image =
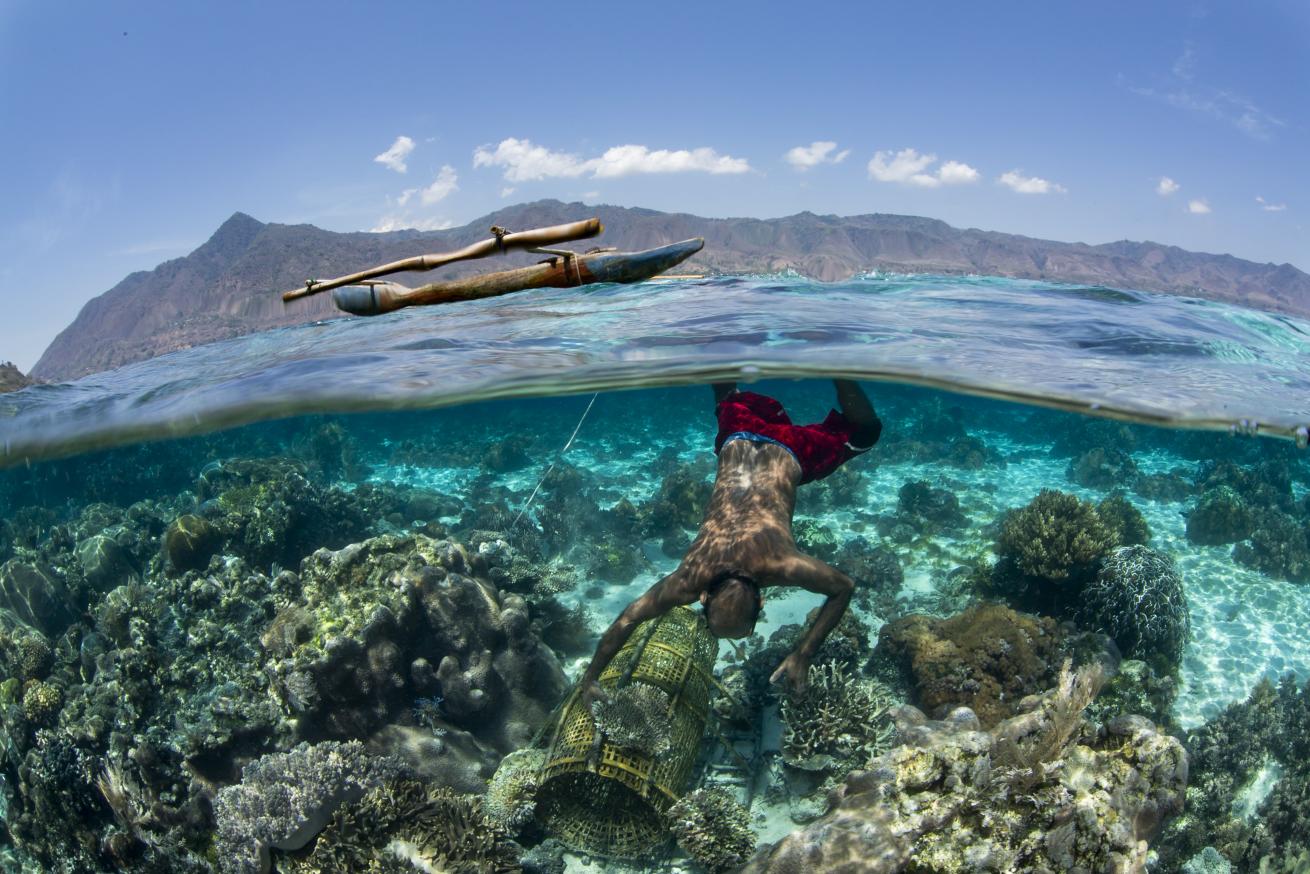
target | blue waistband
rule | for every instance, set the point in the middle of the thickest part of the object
(757, 438)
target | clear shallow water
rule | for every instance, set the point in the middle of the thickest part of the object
(1152, 358)
(173, 661)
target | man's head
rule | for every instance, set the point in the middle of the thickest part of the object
(732, 604)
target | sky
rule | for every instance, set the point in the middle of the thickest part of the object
(129, 131)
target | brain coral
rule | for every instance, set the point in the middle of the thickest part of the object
(1137, 598)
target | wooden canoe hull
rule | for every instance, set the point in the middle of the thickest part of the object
(558, 272)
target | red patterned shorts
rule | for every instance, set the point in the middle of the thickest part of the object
(819, 449)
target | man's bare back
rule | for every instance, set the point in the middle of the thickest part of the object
(745, 545)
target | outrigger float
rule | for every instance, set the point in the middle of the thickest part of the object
(364, 294)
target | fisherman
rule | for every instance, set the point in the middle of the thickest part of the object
(745, 542)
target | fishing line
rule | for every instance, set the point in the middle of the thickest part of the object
(558, 456)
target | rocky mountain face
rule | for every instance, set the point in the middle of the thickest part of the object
(231, 285)
(11, 378)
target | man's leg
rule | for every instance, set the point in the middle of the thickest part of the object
(859, 412)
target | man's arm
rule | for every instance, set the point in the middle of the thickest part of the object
(857, 409)
(816, 576)
(658, 600)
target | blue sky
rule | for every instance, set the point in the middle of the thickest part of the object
(132, 130)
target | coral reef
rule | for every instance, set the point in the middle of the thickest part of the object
(1137, 598)
(636, 719)
(987, 658)
(951, 799)
(840, 723)
(405, 826)
(713, 829)
(1251, 770)
(394, 618)
(285, 799)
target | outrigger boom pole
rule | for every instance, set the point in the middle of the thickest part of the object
(502, 241)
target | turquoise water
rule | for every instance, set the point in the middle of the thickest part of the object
(410, 531)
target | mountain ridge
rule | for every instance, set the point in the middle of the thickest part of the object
(229, 285)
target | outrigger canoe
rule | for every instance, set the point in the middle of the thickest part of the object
(362, 294)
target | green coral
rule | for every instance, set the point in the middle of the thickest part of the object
(1056, 537)
(511, 800)
(1123, 518)
(636, 719)
(840, 723)
(713, 829)
(41, 702)
(404, 826)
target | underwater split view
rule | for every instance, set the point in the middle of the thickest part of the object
(503, 502)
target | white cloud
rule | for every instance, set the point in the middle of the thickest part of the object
(1270, 207)
(1016, 181)
(524, 161)
(507, 191)
(911, 168)
(1166, 186)
(625, 160)
(1198, 207)
(401, 223)
(956, 173)
(441, 187)
(394, 157)
(405, 196)
(816, 153)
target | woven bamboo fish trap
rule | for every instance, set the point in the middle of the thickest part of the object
(608, 802)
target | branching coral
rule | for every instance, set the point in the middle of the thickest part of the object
(713, 828)
(636, 719)
(840, 723)
(285, 799)
(1124, 519)
(404, 826)
(1137, 598)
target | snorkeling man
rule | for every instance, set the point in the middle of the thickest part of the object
(745, 542)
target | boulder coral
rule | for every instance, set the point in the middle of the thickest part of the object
(987, 658)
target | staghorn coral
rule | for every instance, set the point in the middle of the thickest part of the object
(285, 799)
(939, 805)
(511, 800)
(986, 658)
(636, 719)
(404, 826)
(1137, 598)
(712, 828)
(840, 723)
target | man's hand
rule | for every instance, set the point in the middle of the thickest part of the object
(591, 693)
(795, 669)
